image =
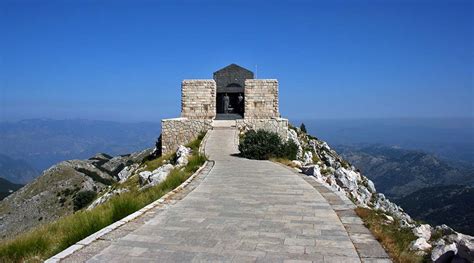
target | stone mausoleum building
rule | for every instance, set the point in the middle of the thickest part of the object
(233, 97)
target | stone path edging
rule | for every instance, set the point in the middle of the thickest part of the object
(95, 236)
(368, 248)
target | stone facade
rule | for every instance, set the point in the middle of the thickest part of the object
(261, 99)
(198, 99)
(278, 125)
(181, 131)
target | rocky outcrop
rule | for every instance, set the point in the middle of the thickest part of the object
(51, 195)
(152, 178)
(332, 170)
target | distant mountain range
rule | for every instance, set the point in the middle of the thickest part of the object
(429, 189)
(17, 171)
(447, 204)
(398, 172)
(43, 142)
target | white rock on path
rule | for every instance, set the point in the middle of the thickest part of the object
(156, 176)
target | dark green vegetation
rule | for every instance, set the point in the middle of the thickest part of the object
(263, 145)
(83, 198)
(51, 238)
(303, 128)
(449, 204)
(394, 239)
(7, 187)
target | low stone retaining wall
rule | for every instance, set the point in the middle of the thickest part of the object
(181, 131)
(278, 125)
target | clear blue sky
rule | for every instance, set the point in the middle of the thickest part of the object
(124, 60)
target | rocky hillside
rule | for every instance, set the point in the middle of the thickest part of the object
(399, 172)
(316, 158)
(62, 189)
(438, 204)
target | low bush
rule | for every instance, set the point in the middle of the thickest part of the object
(83, 198)
(263, 145)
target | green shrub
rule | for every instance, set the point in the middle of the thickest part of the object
(303, 128)
(83, 198)
(263, 145)
(289, 150)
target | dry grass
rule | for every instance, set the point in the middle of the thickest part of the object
(394, 239)
(284, 161)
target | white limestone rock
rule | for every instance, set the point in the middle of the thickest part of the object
(297, 163)
(346, 179)
(143, 177)
(158, 175)
(423, 231)
(182, 155)
(420, 244)
(292, 135)
(439, 251)
(371, 186)
(307, 158)
(127, 172)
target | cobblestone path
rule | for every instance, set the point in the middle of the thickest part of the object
(243, 211)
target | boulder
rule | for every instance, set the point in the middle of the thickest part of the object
(126, 172)
(423, 231)
(444, 253)
(307, 158)
(143, 177)
(420, 244)
(156, 176)
(182, 155)
(371, 186)
(297, 164)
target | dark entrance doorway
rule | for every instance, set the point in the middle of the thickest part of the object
(235, 105)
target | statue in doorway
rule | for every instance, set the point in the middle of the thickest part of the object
(241, 103)
(226, 103)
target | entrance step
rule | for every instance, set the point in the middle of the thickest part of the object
(216, 124)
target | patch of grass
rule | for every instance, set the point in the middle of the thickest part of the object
(151, 165)
(194, 145)
(45, 241)
(316, 158)
(284, 161)
(394, 239)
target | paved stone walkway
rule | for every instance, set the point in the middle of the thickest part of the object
(243, 211)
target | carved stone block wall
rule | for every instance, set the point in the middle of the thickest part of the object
(181, 131)
(261, 98)
(198, 99)
(277, 125)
